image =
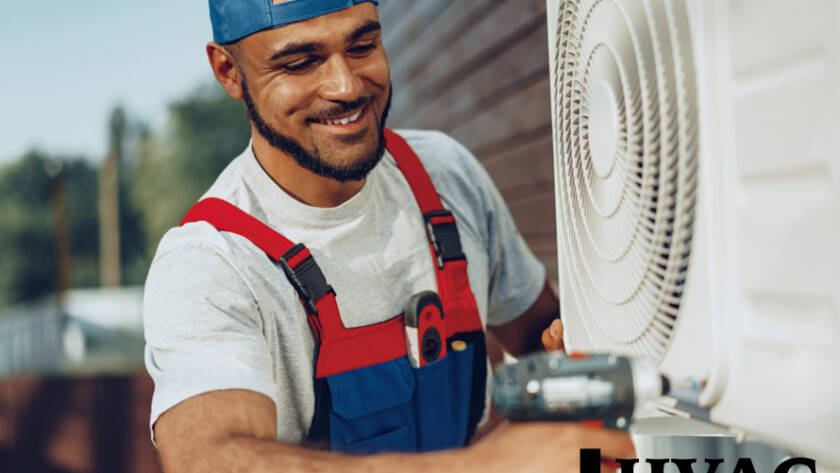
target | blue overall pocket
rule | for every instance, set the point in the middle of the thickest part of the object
(434, 406)
(460, 385)
(444, 395)
(372, 409)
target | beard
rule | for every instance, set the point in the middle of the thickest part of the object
(355, 171)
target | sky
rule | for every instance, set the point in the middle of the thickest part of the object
(66, 64)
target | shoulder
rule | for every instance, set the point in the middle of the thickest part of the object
(197, 250)
(195, 237)
(186, 242)
(189, 255)
(196, 277)
(439, 152)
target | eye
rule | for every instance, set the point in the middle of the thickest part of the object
(362, 49)
(299, 66)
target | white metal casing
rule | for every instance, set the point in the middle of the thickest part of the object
(760, 315)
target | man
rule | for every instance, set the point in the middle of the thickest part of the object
(258, 359)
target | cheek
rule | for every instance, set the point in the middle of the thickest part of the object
(379, 79)
(284, 99)
(376, 70)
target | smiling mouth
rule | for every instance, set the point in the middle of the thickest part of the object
(344, 120)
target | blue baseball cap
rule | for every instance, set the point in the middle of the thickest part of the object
(235, 19)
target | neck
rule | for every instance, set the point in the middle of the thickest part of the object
(299, 182)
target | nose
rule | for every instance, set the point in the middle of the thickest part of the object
(340, 83)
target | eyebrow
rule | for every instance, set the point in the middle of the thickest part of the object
(367, 27)
(297, 48)
(313, 47)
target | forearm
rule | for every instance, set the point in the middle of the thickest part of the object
(233, 431)
(240, 454)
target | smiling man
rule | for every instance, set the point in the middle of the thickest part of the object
(328, 297)
(333, 130)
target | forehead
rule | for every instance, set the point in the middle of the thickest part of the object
(331, 28)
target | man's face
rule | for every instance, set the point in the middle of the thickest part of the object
(319, 90)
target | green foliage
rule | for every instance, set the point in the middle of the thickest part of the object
(133, 252)
(80, 179)
(27, 269)
(176, 166)
(206, 130)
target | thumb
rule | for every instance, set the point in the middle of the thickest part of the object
(552, 337)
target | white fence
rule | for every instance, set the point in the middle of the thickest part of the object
(30, 339)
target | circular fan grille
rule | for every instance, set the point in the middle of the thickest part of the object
(626, 110)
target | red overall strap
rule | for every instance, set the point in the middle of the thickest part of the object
(295, 259)
(341, 349)
(227, 217)
(459, 305)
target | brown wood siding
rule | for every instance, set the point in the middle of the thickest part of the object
(86, 425)
(478, 70)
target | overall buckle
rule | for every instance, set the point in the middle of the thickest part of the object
(443, 235)
(305, 276)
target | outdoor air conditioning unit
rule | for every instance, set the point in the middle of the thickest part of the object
(697, 178)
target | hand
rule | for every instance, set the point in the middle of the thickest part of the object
(552, 337)
(545, 446)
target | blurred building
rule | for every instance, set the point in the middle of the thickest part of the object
(73, 392)
(91, 331)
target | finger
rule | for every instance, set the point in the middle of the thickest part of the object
(549, 342)
(556, 330)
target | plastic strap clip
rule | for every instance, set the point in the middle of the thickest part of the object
(443, 235)
(305, 276)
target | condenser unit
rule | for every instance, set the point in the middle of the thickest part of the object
(697, 178)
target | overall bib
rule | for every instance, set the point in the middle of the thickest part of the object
(368, 396)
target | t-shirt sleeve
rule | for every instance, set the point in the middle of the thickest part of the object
(203, 329)
(516, 276)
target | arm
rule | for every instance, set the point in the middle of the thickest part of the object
(233, 431)
(528, 332)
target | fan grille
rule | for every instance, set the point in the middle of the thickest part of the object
(626, 111)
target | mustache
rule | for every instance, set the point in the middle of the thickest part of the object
(340, 109)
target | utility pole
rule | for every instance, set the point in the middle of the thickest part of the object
(61, 240)
(109, 208)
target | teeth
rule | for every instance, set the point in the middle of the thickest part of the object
(345, 120)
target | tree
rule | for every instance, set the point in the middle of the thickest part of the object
(28, 266)
(203, 133)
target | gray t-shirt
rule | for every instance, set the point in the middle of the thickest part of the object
(219, 314)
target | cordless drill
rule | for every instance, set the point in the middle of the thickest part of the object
(557, 387)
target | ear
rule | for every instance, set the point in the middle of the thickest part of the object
(225, 69)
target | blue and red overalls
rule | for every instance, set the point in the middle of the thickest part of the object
(368, 397)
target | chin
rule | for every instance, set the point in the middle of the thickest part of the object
(347, 154)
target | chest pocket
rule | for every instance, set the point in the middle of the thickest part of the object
(372, 408)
